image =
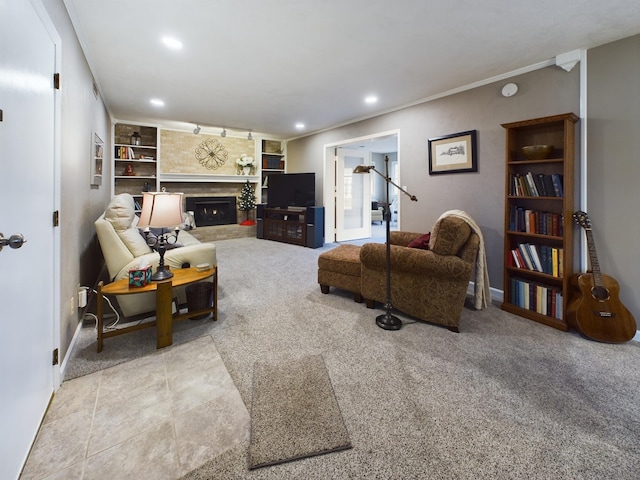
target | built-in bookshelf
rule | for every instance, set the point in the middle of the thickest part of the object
(97, 159)
(538, 238)
(135, 159)
(272, 158)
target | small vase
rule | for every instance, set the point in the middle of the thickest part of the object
(246, 170)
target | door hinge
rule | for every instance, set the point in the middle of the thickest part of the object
(56, 81)
(55, 357)
(56, 218)
(0, 114)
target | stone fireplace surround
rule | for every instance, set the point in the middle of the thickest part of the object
(213, 186)
(180, 170)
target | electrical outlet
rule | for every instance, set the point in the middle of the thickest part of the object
(72, 306)
(82, 297)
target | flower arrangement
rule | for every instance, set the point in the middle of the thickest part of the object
(244, 163)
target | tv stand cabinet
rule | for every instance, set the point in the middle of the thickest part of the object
(286, 225)
(295, 225)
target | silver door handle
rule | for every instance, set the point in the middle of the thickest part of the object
(14, 241)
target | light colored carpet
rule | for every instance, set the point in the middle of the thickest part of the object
(294, 412)
(505, 398)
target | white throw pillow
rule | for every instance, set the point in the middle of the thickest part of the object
(135, 243)
(120, 212)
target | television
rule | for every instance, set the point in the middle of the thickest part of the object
(291, 190)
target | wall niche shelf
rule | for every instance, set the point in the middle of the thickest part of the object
(272, 162)
(135, 159)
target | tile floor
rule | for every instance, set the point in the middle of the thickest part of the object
(156, 417)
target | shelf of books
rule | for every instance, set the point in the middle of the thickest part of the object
(538, 239)
(135, 159)
(272, 155)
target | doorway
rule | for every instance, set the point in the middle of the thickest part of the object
(371, 150)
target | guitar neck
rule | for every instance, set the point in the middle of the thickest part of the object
(593, 258)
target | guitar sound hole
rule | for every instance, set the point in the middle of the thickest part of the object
(600, 293)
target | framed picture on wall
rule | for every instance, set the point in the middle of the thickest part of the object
(455, 153)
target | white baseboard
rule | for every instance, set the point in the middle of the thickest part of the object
(63, 365)
(498, 296)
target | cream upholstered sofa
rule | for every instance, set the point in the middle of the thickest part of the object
(123, 248)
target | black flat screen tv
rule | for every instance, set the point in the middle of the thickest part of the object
(291, 190)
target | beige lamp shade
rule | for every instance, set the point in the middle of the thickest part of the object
(161, 210)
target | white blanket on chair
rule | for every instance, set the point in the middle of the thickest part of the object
(482, 288)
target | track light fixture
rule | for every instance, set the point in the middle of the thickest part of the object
(197, 129)
(249, 137)
(223, 133)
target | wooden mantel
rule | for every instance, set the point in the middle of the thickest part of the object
(207, 178)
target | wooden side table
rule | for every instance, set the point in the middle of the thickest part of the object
(164, 296)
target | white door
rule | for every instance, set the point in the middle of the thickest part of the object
(353, 196)
(27, 63)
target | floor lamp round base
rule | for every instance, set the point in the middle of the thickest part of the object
(388, 322)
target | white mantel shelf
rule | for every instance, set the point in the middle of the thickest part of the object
(212, 178)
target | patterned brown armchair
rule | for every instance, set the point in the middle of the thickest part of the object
(428, 284)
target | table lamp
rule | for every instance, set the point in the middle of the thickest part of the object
(162, 210)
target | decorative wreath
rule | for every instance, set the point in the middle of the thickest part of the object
(211, 154)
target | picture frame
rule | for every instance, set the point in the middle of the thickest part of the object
(455, 153)
(97, 158)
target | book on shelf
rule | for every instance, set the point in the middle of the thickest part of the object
(517, 259)
(535, 185)
(533, 191)
(556, 179)
(548, 186)
(525, 255)
(537, 297)
(272, 162)
(124, 153)
(542, 189)
(534, 221)
(533, 251)
(537, 258)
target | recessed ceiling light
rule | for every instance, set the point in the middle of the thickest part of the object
(157, 102)
(172, 43)
(299, 125)
(371, 99)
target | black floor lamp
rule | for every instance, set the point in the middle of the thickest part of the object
(387, 320)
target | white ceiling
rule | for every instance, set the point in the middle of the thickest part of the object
(263, 65)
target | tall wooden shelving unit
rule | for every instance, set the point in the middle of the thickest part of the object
(141, 159)
(524, 287)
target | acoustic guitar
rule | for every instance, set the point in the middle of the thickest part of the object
(594, 308)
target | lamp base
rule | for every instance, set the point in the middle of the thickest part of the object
(388, 322)
(161, 274)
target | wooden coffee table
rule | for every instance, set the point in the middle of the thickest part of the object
(164, 297)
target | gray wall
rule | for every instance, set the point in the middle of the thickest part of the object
(544, 92)
(613, 162)
(81, 204)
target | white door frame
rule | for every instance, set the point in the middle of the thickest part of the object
(57, 155)
(329, 175)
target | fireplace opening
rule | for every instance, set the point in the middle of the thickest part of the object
(209, 211)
